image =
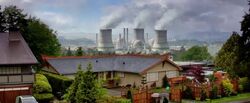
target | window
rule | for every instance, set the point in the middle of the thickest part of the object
(10, 70)
(171, 74)
(152, 77)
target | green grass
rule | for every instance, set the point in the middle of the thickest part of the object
(239, 97)
(232, 98)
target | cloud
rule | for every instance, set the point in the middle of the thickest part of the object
(183, 17)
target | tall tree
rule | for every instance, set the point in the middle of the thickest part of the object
(227, 57)
(71, 94)
(85, 88)
(244, 52)
(41, 39)
(2, 20)
(14, 18)
(196, 53)
(79, 51)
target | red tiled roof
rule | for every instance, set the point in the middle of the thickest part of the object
(14, 50)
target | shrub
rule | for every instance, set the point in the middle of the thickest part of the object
(187, 93)
(244, 84)
(44, 97)
(213, 94)
(203, 95)
(165, 82)
(41, 84)
(40, 77)
(42, 87)
(60, 83)
(227, 87)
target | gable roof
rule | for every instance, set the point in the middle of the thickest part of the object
(14, 50)
(123, 63)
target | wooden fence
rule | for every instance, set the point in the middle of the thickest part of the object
(142, 95)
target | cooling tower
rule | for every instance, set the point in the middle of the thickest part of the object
(105, 43)
(139, 34)
(160, 43)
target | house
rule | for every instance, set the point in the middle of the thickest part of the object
(16, 60)
(131, 69)
(188, 67)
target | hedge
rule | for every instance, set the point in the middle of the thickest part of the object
(244, 84)
(44, 97)
(42, 85)
(59, 83)
(41, 77)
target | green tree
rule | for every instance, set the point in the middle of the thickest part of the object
(71, 94)
(196, 53)
(14, 18)
(2, 20)
(85, 88)
(244, 50)
(165, 82)
(69, 52)
(41, 39)
(228, 55)
(79, 51)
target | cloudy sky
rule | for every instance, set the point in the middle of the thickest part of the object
(184, 19)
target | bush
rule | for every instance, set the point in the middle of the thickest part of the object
(244, 84)
(41, 84)
(214, 92)
(42, 87)
(44, 97)
(40, 77)
(187, 93)
(227, 87)
(60, 83)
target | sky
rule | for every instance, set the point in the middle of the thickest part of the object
(184, 19)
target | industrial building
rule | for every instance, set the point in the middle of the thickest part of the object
(138, 44)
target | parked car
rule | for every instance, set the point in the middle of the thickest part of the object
(25, 99)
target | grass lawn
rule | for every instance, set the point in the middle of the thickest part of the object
(239, 97)
(232, 98)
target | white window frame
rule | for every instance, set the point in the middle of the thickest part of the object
(152, 76)
(171, 74)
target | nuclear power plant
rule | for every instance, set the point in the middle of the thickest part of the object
(137, 44)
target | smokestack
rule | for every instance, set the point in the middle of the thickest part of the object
(160, 41)
(124, 35)
(105, 40)
(127, 44)
(147, 37)
(139, 34)
(96, 39)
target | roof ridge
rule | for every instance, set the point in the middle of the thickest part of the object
(107, 56)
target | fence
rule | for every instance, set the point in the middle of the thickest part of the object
(142, 95)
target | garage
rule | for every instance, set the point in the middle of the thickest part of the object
(9, 93)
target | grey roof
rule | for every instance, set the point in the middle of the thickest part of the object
(14, 50)
(133, 64)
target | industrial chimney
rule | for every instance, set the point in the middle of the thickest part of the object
(160, 43)
(105, 43)
(139, 34)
